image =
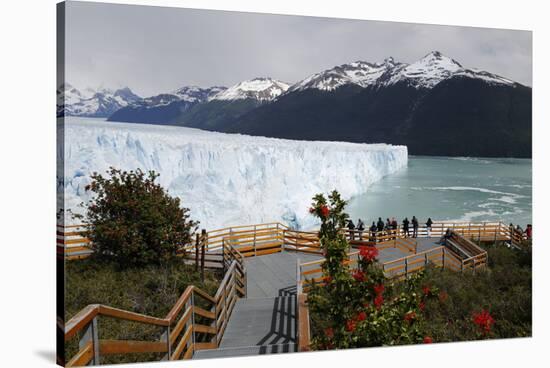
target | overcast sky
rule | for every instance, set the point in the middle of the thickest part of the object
(158, 49)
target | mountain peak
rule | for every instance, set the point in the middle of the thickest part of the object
(259, 88)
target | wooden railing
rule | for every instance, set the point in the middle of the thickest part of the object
(443, 256)
(197, 321)
(272, 237)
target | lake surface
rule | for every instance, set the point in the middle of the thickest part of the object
(444, 188)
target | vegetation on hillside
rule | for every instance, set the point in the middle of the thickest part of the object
(360, 308)
(133, 221)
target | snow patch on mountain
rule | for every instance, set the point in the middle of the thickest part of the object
(261, 89)
(189, 94)
(225, 179)
(360, 73)
(428, 71)
(99, 103)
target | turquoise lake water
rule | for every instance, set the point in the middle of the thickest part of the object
(444, 188)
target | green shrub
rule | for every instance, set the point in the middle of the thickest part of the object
(503, 290)
(359, 308)
(133, 221)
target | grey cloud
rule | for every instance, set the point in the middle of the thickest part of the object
(157, 49)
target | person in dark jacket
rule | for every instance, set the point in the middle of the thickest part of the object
(529, 231)
(380, 224)
(415, 226)
(406, 226)
(351, 228)
(373, 232)
(360, 228)
(429, 226)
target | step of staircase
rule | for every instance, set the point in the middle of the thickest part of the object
(258, 326)
(245, 351)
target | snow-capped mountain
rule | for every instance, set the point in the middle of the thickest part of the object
(260, 89)
(166, 107)
(435, 68)
(190, 94)
(100, 103)
(429, 106)
(360, 73)
(424, 73)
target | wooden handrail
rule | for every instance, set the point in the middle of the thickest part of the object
(131, 316)
(228, 288)
(81, 319)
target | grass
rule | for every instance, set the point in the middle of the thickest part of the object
(150, 290)
(504, 289)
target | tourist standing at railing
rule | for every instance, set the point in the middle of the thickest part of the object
(388, 225)
(406, 226)
(373, 232)
(351, 228)
(394, 226)
(429, 226)
(380, 225)
(529, 231)
(360, 227)
(415, 226)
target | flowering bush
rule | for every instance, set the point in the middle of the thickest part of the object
(356, 307)
(484, 321)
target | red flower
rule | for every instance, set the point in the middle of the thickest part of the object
(328, 279)
(443, 296)
(422, 306)
(350, 325)
(378, 301)
(426, 289)
(366, 305)
(484, 321)
(324, 211)
(329, 332)
(369, 253)
(359, 275)
(428, 340)
(361, 316)
(379, 289)
(409, 316)
(311, 210)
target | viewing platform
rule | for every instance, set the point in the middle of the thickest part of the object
(260, 306)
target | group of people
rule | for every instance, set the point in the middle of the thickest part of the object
(527, 233)
(389, 227)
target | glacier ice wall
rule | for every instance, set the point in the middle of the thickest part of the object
(225, 179)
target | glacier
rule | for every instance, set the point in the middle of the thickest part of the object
(225, 179)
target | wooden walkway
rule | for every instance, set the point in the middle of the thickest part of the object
(260, 307)
(265, 321)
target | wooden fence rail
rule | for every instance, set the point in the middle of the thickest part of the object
(187, 327)
(267, 238)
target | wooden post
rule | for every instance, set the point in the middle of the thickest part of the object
(425, 260)
(189, 323)
(406, 267)
(223, 257)
(165, 337)
(443, 258)
(254, 240)
(91, 334)
(203, 252)
(197, 253)
(194, 338)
